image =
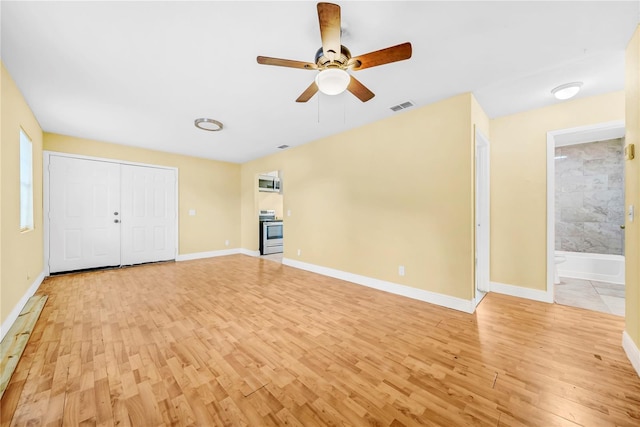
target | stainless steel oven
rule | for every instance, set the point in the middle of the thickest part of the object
(270, 233)
(271, 237)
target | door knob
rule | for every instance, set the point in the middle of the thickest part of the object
(116, 221)
(115, 213)
(622, 227)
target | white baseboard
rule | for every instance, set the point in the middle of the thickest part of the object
(248, 252)
(6, 325)
(519, 291)
(212, 254)
(467, 306)
(633, 353)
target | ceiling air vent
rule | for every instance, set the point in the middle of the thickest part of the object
(402, 106)
(282, 147)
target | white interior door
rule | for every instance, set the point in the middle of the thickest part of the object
(83, 197)
(482, 216)
(148, 199)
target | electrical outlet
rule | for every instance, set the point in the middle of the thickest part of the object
(299, 252)
(192, 212)
(401, 270)
(288, 212)
(226, 243)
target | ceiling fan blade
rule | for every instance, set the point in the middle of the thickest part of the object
(265, 60)
(359, 90)
(380, 57)
(329, 17)
(308, 93)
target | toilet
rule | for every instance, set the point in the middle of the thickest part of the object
(559, 259)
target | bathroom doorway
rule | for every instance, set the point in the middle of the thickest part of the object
(585, 217)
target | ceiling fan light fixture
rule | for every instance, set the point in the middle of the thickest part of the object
(332, 81)
(208, 124)
(567, 90)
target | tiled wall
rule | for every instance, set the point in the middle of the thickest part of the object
(590, 197)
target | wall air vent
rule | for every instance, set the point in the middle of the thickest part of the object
(282, 147)
(402, 106)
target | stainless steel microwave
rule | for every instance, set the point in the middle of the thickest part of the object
(269, 183)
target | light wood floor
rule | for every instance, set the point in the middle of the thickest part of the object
(241, 341)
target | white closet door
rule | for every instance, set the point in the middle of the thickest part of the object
(148, 198)
(83, 198)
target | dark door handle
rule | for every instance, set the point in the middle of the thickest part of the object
(116, 221)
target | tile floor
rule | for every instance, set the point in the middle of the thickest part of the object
(590, 294)
(273, 257)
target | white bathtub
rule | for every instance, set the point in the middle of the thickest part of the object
(600, 267)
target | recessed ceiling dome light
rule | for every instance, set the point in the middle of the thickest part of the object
(208, 124)
(332, 81)
(567, 90)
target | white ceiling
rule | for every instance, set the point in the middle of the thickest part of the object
(139, 73)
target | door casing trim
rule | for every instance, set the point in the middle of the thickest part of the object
(560, 138)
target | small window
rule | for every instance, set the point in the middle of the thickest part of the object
(26, 182)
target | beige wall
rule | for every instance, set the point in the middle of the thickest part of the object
(273, 201)
(210, 187)
(632, 191)
(395, 192)
(21, 259)
(518, 183)
(3, 312)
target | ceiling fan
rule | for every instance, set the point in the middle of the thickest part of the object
(333, 60)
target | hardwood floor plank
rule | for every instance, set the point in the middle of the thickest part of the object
(287, 418)
(15, 341)
(234, 415)
(103, 402)
(239, 341)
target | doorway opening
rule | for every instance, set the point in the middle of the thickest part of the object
(482, 217)
(270, 206)
(585, 217)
